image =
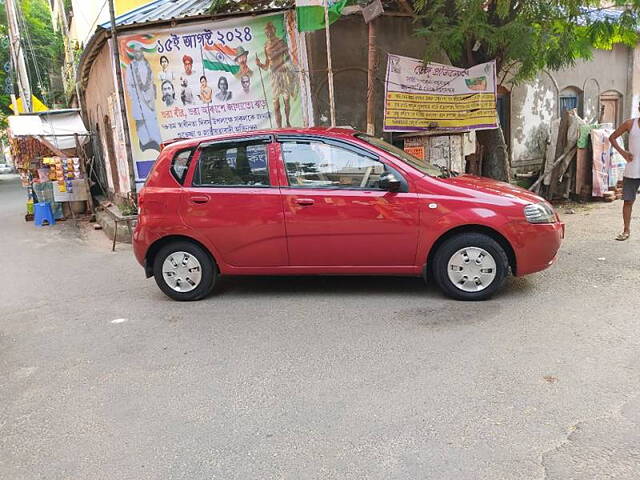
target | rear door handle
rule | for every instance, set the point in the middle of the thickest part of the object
(200, 198)
(305, 201)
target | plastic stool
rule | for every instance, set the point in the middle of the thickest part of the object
(43, 212)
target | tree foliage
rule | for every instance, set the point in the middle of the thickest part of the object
(5, 76)
(524, 36)
(44, 50)
(235, 6)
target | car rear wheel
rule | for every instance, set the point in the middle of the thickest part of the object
(470, 266)
(184, 271)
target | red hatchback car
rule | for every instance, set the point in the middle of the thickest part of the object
(332, 202)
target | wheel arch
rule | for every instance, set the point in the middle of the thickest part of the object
(161, 242)
(473, 228)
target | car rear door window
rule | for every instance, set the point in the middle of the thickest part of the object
(312, 164)
(233, 164)
(180, 164)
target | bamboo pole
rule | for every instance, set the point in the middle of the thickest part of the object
(371, 76)
(332, 100)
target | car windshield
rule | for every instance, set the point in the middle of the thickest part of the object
(425, 168)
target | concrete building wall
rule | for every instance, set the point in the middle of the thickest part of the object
(349, 39)
(87, 15)
(633, 104)
(535, 104)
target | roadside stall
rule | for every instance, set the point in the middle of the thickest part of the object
(48, 152)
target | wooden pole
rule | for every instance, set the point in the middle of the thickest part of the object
(332, 101)
(371, 79)
(80, 152)
(123, 109)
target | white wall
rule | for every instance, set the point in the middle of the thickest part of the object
(535, 104)
(87, 15)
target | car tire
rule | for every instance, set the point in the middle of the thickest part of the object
(461, 267)
(185, 256)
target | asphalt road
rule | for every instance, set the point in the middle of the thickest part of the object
(103, 377)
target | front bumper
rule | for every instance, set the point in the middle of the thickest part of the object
(537, 246)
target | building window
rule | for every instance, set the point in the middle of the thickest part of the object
(610, 108)
(570, 98)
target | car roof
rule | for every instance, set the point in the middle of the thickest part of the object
(320, 131)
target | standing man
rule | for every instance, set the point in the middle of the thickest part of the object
(631, 181)
(283, 78)
(142, 92)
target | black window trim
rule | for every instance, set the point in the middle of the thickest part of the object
(341, 144)
(257, 139)
(329, 141)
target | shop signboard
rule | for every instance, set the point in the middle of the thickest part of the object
(217, 78)
(429, 96)
(415, 146)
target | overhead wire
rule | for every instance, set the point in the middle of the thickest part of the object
(30, 49)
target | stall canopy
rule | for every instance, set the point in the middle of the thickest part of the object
(57, 127)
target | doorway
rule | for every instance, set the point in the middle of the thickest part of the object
(610, 103)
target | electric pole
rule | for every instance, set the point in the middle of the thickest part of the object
(17, 56)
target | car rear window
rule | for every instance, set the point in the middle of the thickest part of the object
(233, 164)
(180, 164)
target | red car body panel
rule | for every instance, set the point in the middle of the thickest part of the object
(283, 230)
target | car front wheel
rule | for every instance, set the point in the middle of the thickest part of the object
(184, 271)
(470, 266)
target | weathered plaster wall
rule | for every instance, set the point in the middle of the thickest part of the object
(535, 104)
(634, 90)
(100, 100)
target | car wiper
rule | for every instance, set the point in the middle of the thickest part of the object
(446, 173)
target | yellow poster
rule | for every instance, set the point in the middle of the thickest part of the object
(430, 96)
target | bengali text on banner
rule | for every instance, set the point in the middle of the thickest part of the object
(430, 96)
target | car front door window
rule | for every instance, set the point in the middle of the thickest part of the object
(312, 164)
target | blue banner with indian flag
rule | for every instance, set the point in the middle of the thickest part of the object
(217, 78)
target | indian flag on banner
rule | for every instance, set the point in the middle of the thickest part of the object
(220, 57)
(311, 13)
(145, 42)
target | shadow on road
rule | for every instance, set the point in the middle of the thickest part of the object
(348, 285)
(328, 285)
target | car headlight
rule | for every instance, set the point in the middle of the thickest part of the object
(539, 213)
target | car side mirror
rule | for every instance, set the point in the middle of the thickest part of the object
(390, 183)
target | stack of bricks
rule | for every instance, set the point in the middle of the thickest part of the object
(614, 193)
(619, 190)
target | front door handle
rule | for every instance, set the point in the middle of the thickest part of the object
(200, 199)
(305, 201)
